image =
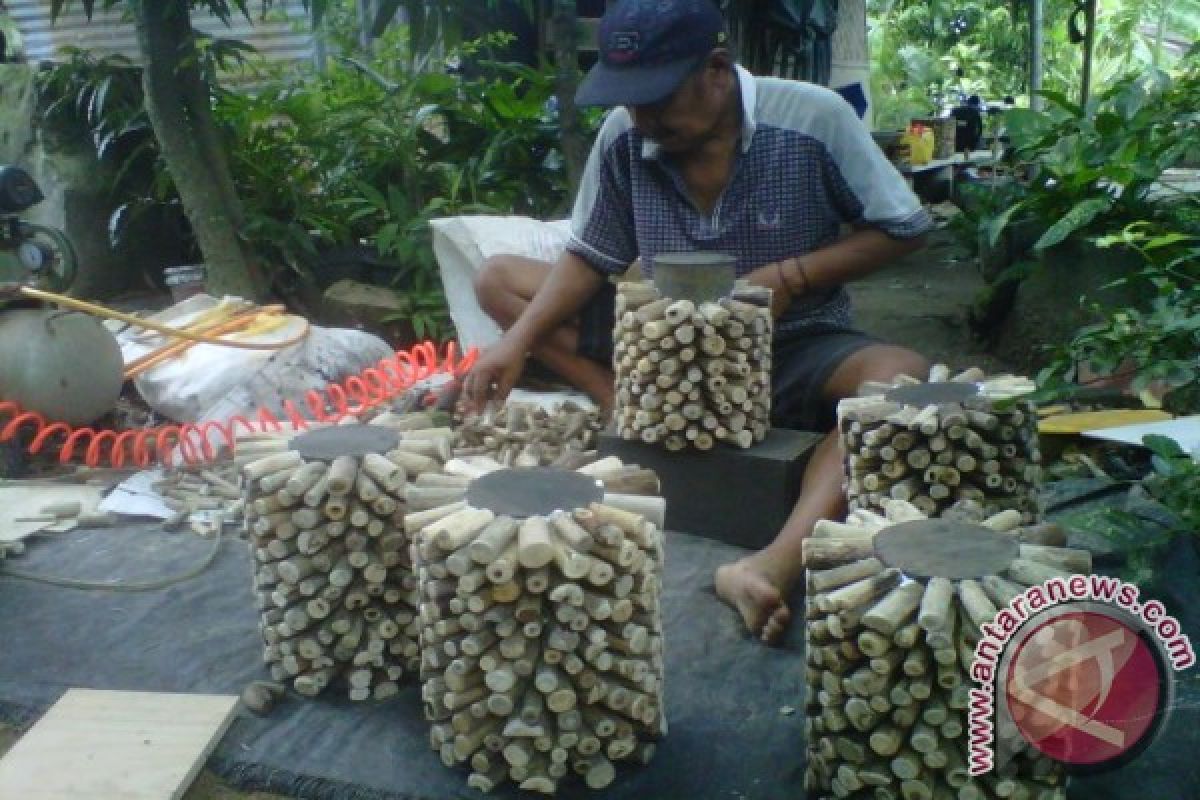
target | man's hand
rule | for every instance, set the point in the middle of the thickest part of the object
(493, 376)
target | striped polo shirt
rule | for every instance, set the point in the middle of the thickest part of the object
(805, 165)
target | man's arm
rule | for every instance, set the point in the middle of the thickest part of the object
(849, 259)
(570, 284)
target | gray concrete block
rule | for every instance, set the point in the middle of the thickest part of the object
(737, 496)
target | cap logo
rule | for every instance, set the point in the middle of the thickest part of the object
(623, 45)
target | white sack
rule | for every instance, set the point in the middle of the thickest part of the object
(212, 382)
(461, 244)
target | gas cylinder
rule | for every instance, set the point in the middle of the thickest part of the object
(64, 365)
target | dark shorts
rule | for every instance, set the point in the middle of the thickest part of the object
(802, 363)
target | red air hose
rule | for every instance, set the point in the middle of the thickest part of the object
(143, 446)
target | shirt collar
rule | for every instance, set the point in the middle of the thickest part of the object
(749, 90)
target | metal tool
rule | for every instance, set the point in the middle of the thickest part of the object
(31, 253)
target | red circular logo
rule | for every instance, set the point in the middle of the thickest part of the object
(1084, 687)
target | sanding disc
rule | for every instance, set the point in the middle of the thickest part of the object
(326, 444)
(925, 548)
(927, 394)
(523, 492)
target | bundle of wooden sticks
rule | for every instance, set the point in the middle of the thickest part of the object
(692, 375)
(541, 636)
(334, 580)
(890, 643)
(965, 436)
(526, 435)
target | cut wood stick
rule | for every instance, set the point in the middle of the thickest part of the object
(649, 507)
(828, 553)
(535, 547)
(886, 616)
(828, 529)
(342, 474)
(288, 460)
(1069, 560)
(458, 529)
(858, 593)
(415, 521)
(1029, 573)
(934, 614)
(824, 580)
(975, 602)
(493, 540)
(1000, 591)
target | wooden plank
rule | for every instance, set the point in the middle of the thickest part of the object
(126, 745)
(21, 505)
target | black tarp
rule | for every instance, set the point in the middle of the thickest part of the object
(735, 707)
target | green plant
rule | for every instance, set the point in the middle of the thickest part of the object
(97, 103)
(369, 153)
(925, 51)
(365, 153)
(1163, 506)
(1095, 168)
(926, 55)
(1154, 345)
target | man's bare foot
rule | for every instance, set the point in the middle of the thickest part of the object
(758, 595)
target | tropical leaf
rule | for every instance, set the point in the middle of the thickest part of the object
(1079, 217)
(1059, 99)
(996, 225)
(1163, 446)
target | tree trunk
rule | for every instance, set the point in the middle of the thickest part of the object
(177, 102)
(565, 33)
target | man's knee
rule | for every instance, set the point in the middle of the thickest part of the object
(902, 361)
(492, 283)
(879, 363)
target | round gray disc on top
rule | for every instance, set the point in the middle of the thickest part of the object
(326, 444)
(533, 491)
(926, 394)
(925, 548)
(701, 277)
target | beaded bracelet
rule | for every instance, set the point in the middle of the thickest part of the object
(783, 278)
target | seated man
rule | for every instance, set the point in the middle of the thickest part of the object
(703, 156)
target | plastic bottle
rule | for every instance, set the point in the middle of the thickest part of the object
(928, 144)
(911, 141)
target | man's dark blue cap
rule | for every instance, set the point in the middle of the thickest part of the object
(647, 48)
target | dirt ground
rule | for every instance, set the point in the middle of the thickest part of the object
(920, 303)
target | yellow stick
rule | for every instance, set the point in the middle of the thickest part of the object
(108, 313)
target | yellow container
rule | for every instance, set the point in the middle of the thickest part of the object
(928, 144)
(920, 143)
(911, 141)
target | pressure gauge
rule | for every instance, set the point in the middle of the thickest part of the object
(33, 256)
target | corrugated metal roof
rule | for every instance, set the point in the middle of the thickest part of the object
(285, 34)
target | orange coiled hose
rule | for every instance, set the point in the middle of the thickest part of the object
(199, 442)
